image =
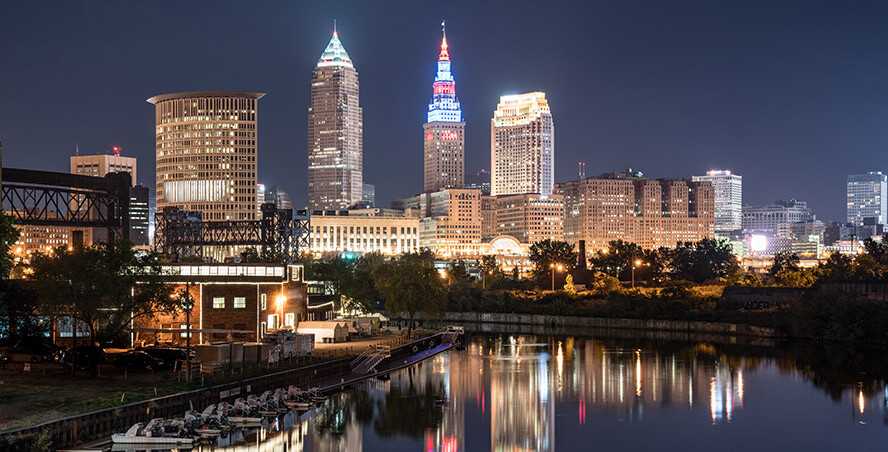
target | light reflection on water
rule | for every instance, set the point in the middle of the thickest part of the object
(524, 393)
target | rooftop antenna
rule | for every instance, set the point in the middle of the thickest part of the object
(76, 149)
(334, 28)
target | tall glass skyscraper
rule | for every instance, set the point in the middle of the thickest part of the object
(444, 130)
(522, 146)
(335, 132)
(728, 199)
(867, 197)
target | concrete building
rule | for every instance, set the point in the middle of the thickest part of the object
(728, 199)
(139, 216)
(451, 222)
(522, 146)
(530, 218)
(206, 152)
(340, 231)
(628, 207)
(771, 217)
(444, 131)
(867, 196)
(488, 217)
(98, 165)
(273, 194)
(335, 132)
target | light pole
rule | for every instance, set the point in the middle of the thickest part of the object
(635, 265)
(187, 304)
(554, 267)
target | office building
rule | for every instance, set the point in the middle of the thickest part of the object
(728, 199)
(488, 217)
(369, 196)
(139, 216)
(530, 218)
(522, 146)
(451, 222)
(206, 152)
(867, 197)
(626, 206)
(335, 132)
(363, 232)
(98, 165)
(444, 131)
(769, 218)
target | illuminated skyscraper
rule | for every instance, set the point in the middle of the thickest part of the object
(335, 132)
(728, 199)
(867, 197)
(522, 146)
(444, 130)
(206, 153)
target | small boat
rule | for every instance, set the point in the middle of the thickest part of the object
(137, 435)
(245, 421)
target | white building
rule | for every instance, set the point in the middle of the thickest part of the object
(867, 196)
(522, 146)
(351, 231)
(728, 189)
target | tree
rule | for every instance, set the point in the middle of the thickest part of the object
(409, 285)
(603, 284)
(617, 259)
(878, 249)
(569, 287)
(545, 253)
(838, 267)
(106, 287)
(9, 234)
(359, 286)
(784, 261)
(702, 261)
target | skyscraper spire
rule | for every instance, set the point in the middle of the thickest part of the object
(335, 54)
(444, 130)
(444, 55)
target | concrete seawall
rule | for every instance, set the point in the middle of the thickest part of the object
(558, 321)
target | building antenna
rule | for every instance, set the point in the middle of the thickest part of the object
(334, 27)
(76, 149)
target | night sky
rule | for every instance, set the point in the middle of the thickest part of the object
(792, 95)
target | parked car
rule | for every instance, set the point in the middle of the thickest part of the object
(136, 360)
(169, 355)
(83, 357)
(33, 349)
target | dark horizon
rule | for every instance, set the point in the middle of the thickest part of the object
(792, 97)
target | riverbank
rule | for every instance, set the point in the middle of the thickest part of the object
(84, 425)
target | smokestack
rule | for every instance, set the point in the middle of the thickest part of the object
(581, 255)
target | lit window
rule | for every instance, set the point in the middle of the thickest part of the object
(218, 302)
(263, 301)
(240, 302)
(290, 319)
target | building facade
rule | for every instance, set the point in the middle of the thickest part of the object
(651, 213)
(530, 218)
(728, 199)
(451, 222)
(867, 197)
(444, 131)
(522, 146)
(365, 231)
(98, 165)
(488, 217)
(335, 132)
(206, 153)
(768, 219)
(139, 216)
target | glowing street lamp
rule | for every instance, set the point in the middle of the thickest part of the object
(636, 264)
(279, 301)
(553, 266)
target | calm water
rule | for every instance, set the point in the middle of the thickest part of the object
(564, 393)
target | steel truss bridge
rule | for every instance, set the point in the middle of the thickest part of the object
(279, 234)
(45, 198)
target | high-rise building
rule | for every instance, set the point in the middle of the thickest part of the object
(335, 132)
(530, 218)
(369, 196)
(451, 222)
(138, 214)
(768, 219)
(98, 165)
(522, 146)
(206, 153)
(444, 131)
(628, 207)
(867, 196)
(728, 199)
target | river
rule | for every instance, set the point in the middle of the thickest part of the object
(566, 393)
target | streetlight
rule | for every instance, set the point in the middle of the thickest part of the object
(279, 301)
(635, 265)
(554, 267)
(187, 304)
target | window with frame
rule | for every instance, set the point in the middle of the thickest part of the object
(218, 302)
(290, 319)
(240, 302)
(263, 301)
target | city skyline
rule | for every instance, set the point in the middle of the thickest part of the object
(740, 133)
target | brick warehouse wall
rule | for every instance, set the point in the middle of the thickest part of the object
(248, 318)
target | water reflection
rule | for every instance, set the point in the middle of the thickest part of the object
(514, 393)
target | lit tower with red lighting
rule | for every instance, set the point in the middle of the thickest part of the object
(444, 130)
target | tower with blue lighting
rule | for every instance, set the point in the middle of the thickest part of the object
(444, 130)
